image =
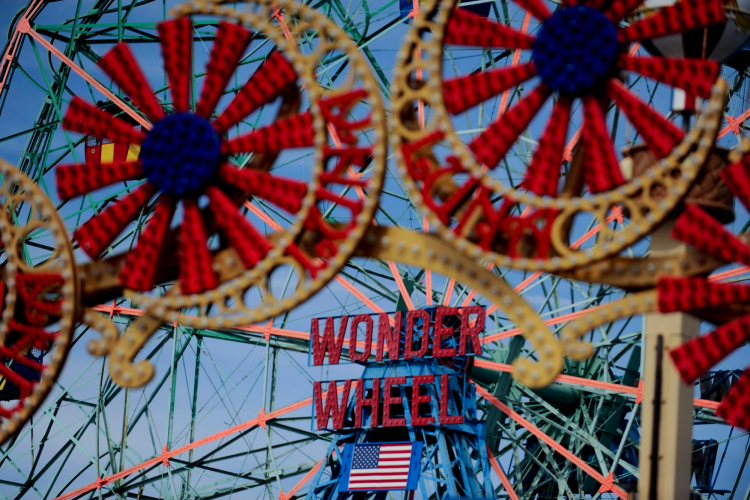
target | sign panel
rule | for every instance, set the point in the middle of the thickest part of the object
(442, 332)
(380, 466)
(388, 402)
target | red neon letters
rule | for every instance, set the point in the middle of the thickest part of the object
(414, 400)
(423, 338)
(386, 404)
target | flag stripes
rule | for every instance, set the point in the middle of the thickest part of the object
(380, 466)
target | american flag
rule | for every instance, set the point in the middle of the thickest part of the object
(380, 466)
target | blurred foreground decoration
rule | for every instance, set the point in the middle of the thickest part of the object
(40, 300)
(725, 305)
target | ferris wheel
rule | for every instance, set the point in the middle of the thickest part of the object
(236, 396)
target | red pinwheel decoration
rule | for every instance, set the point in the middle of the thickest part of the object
(184, 156)
(702, 297)
(578, 54)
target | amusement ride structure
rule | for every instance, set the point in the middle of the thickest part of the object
(192, 190)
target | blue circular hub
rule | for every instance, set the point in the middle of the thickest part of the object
(180, 154)
(576, 49)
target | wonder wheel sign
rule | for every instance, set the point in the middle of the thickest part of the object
(413, 398)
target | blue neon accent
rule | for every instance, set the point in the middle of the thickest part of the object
(576, 49)
(415, 467)
(180, 154)
(346, 466)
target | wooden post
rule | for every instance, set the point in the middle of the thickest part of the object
(666, 424)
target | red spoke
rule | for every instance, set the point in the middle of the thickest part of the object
(355, 206)
(27, 336)
(355, 181)
(691, 294)
(230, 42)
(78, 179)
(176, 40)
(263, 87)
(737, 179)
(88, 119)
(492, 145)
(450, 206)
(285, 193)
(196, 270)
(314, 266)
(316, 220)
(293, 132)
(695, 227)
(31, 336)
(444, 202)
(536, 8)
(620, 8)
(339, 120)
(21, 358)
(694, 76)
(489, 228)
(468, 218)
(466, 28)
(532, 231)
(468, 91)
(698, 355)
(678, 18)
(594, 4)
(543, 173)
(251, 246)
(31, 290)
(101, 230)
(600, 168)
(139, 270)
(122, 67)
(734, 407)
(24, 386)
(342, 171)
(661, 135)
(499, 226)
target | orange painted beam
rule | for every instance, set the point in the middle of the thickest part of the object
(25, 27)
(586, 382)
(503, 478)
(302, 482)
(258, 421)
(550, 442)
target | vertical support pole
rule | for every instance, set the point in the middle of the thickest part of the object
(274, 365)
(124, 438)
(269, 442)
(119, 22)
(666, 444)
(173, 387)
(99, 402)
(193, 411)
